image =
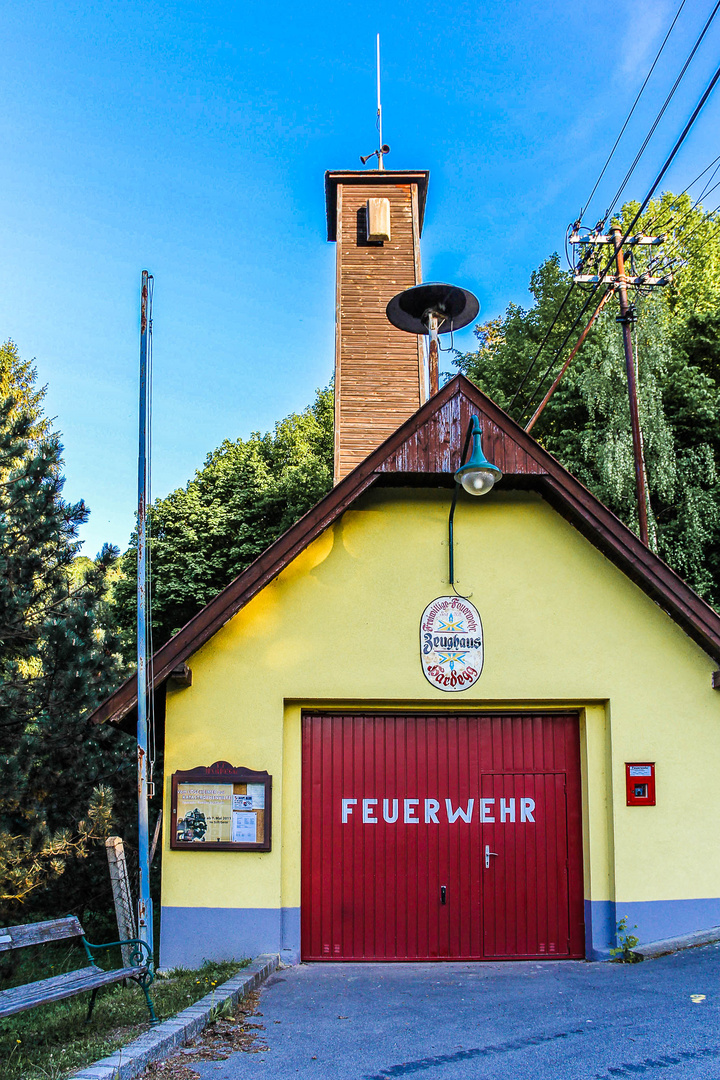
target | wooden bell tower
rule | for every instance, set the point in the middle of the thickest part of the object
(376, 219)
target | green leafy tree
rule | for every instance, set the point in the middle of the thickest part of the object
(247, 493)
(58, 659)
(586, 424)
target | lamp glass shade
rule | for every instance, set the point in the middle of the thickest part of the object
(478, 481)
(477, 475)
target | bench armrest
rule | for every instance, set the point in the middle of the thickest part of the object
(136, 956)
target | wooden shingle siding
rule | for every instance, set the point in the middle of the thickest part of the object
(437, 446)
(379, 370)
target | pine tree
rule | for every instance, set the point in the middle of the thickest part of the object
(58, 659)
(18, 379)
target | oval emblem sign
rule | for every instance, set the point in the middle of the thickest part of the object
(451, 643)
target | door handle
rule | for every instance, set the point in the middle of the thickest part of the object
(443, 894)
(488, 853)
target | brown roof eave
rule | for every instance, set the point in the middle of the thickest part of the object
(372, 176)
(566, 494)
(623, 548)
(227, 603)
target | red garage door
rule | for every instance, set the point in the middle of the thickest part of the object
(441, 837)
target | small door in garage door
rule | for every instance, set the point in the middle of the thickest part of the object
(441, 837)
(526, 910)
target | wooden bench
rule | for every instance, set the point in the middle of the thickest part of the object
(91, 978)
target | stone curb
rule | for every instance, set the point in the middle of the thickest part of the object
(671, 945)
(170, 1035)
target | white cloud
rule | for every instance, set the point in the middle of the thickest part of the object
(646, 22)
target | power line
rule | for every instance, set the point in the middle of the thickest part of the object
(681, 261)
(705, 191)
(680, 238)
(651, 192)
(613, 259)
(542, 344)
(657, 222)
(661, 113)
(627, 176)
(576, 348)
(632, 110)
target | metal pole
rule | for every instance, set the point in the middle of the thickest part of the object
(451, 537)
(379, 111)
(536, 415)
(145, 927)
(625, 320)
(433, 321)
(451, 517)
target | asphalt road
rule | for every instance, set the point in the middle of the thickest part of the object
(513, 1021)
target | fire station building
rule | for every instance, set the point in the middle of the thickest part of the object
(364, 761)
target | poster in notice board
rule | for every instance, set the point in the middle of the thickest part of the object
(221, 808)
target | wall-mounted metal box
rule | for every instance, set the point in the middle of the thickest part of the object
(378, 219)
(640, 783)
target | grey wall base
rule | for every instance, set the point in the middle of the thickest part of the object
(649, 920)
(160, 1042)
(685, 941)
(189, 936)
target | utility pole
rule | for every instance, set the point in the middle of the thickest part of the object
(626, 319)
(620, 281)
(145, 922)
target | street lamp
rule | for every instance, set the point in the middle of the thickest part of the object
(477, 475)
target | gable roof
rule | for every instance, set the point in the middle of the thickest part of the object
(426, 451)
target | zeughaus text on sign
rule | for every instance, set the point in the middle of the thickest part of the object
(451, 643)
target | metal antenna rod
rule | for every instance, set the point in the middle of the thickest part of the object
(379, 110)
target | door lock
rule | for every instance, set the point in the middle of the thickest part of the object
(488, 853)
(443, 894)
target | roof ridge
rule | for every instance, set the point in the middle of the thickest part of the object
(561, 489)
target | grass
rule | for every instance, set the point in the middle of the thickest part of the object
(48, 1042)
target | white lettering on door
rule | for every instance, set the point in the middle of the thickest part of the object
(431, 808)
(453, 815)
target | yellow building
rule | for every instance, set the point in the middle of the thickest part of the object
(382, 766)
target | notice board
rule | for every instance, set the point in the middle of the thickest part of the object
(221, 808)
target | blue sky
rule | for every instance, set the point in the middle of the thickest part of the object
(191, 139)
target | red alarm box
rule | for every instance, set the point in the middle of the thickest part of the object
(640, 783)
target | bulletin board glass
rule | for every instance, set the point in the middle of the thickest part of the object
(221, 808)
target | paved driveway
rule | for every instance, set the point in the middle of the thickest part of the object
(514, 1021)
